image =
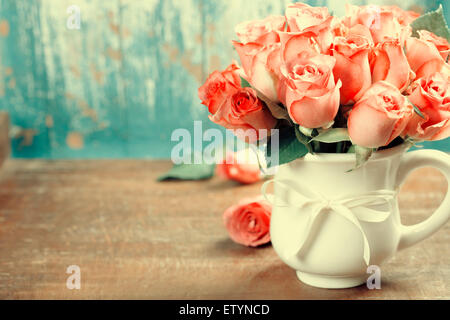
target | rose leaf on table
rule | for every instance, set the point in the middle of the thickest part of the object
(191, 172)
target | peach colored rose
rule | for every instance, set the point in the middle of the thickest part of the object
(248, 222)
(241, 167)
(261, 65)
(263, 31)
(389, 63)
(382, 23)
(312, 96)
(341, 30)
(352, 66)
(219, 86)
(316, 21)
(404, 17)
(432, 96)
(379, 117)
(244, 110)
(295, 44)
(424, 57)
(441, 44)
(232, 106)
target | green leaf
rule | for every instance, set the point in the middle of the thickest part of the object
(290, 148)
(303, 139)
(416, 109)
(351, 149)
(306, 131)
(278, 111)
(245, 83)
(189, 172)
(433, 21)
(332, 135)
(362, 156)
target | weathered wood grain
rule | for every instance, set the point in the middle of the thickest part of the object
(120, 85)
(135, 238)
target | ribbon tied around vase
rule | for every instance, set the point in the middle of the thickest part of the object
(353, 208)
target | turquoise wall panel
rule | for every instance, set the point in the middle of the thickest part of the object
(120, 85)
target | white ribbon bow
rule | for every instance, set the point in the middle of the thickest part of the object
(347, 207)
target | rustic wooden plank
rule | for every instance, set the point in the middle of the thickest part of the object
(121, 84)
(163, 67)
(135, 238)
(87, 109)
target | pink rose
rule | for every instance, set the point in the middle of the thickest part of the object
(295, 44)
(263, 31)
(248, 222)
(234, 107)
(312, 96)
(379, 117)
(240, 167)
(389, 64)
(432, 96)
(316, 21)
(352, 66)
(424, 57)
(261, 65)
(440, 43)
(381, 22)
(403, 17)
(219, 86)
(244, 110)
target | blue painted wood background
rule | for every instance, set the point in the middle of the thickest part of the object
(119, 86)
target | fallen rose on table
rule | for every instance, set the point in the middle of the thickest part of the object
(248, 222)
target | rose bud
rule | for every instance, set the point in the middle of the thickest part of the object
(352, 67)
(424, 57)
(264, 32)
(261, 65)
(248, 222)
(312, 96)
(432, 96)
(379, 117)
(241, 166)
(315, 21)
(389, 64)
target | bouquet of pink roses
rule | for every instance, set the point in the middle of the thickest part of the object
(376, 78)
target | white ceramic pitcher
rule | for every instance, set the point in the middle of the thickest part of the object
(330, 224)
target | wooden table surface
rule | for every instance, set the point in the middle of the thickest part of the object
(135, 238)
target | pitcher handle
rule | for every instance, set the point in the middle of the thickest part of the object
(411, 235)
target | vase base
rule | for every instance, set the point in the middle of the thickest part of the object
(330, 282)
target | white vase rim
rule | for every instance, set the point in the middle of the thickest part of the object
(350, 157)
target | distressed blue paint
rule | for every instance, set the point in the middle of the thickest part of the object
(167, 48)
